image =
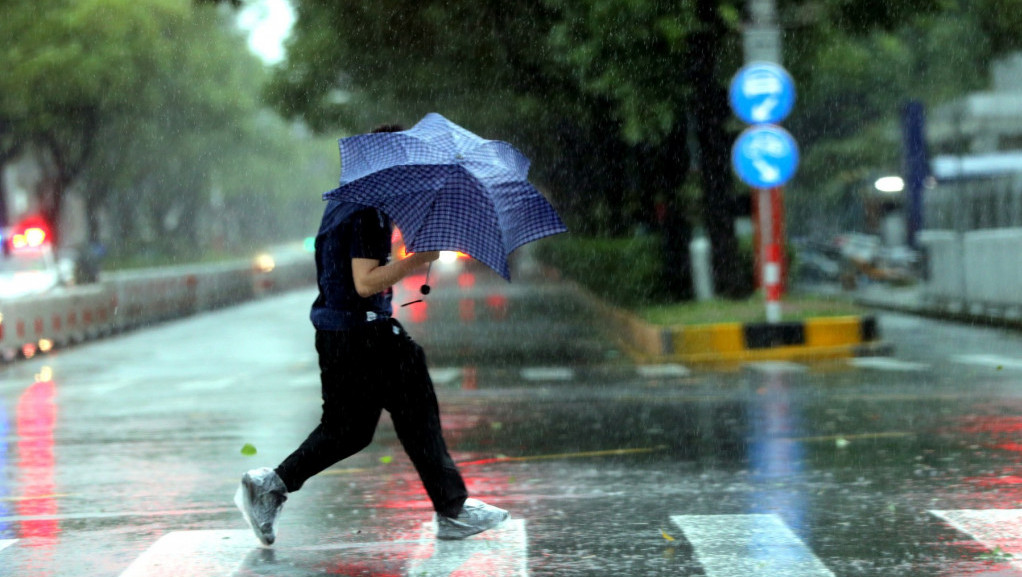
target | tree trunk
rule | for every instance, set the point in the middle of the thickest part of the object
(711, 113)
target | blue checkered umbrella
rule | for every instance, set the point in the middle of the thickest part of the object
(447, 189)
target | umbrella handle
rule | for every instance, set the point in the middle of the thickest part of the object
(424, 289)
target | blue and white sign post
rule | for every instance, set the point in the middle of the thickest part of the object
(765, 157)
(762, 93)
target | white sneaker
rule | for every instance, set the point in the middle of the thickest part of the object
(260, 498)
(475, 517)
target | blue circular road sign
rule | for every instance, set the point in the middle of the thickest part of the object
(765, 156)
(762, 93)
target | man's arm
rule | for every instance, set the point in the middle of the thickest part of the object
(371, 277)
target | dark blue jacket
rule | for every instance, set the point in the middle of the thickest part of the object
(349, 231)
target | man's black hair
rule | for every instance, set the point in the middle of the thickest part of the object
(388, 128)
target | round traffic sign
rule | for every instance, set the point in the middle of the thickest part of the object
(762, 93)
(765, 156)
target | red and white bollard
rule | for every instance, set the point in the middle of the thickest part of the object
(772, 282)
(770, 240)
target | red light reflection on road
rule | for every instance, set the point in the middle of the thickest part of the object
(1000, 488)
(497, 304)
(469, 379)
(991, 424)
(35, 420)
(466, 280)
(467, 310)
(1002, 481)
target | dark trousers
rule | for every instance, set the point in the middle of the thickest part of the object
(363, 371)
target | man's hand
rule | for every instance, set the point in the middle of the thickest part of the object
(370, 277)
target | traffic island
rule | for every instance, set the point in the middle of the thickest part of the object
(733, 343)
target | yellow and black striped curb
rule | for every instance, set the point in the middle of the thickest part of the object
(727, 343)
(811, 339)
(730, 344)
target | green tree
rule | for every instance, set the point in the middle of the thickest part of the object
(855, 68)
(149, 108)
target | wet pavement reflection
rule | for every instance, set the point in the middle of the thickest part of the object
(120, 457)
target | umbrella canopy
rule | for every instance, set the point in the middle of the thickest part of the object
(447, 189)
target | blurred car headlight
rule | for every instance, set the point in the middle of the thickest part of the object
(263, 263)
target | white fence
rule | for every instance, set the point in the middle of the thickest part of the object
(979, 271)
(128, 300)
(967, 205)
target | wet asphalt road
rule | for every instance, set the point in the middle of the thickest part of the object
(121, 457)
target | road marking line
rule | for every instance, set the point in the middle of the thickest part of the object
(114, 515)
(548, 374)
(5, 543)
(194, 554)
(886, 364)
(558, 456)
(748, 546)
(996, 529)
(776, 367)
(444, 376)
(660, 371)
(499, 552)
(852, 437)
(994, 361)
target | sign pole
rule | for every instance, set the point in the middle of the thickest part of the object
(765, 96)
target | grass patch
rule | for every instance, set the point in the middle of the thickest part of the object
(622, 271)
(794, 308)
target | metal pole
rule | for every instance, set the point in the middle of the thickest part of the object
(762, 42)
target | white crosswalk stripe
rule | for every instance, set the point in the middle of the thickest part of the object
(996, 529)
(776, 367)
(500, 552)
(886, 364)
(744, 545)
(662, 371)
(748, 546)
(548, 374)
(992, 361)
(193, 554)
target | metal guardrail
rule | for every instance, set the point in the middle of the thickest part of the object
(133, 299)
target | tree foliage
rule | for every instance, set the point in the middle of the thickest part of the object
(149, 109)
(614, 97)
(856, 65)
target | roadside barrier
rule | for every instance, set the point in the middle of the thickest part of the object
(974, 272)
(132, 299)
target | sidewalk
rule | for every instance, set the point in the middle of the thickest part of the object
(912, 300)
(903, 299)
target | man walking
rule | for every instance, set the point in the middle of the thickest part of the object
(367, 363)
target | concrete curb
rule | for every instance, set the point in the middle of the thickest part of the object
(814, 339)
